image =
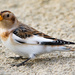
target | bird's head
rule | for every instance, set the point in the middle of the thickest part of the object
(7, 19)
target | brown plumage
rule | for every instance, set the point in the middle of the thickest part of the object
(25, 31)
(4, 36)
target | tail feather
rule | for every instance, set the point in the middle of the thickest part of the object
(57, 42)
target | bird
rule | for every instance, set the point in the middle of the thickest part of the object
(26, 41)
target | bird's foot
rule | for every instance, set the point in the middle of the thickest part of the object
(20, 64)
(16, 58)
(17, 65)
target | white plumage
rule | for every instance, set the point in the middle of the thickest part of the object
(30, 48)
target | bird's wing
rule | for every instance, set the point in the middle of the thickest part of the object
(27, 35)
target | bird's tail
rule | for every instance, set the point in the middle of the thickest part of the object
(66, 48)
(57, 42)
(59, 45)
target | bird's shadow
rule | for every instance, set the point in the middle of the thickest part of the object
(54, 59)
(63, 60)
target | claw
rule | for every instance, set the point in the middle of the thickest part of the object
(16, 58)
(20, 64)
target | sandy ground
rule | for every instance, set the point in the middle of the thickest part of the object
(53, 17)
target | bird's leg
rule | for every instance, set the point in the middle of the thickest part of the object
(20, 64)
(16, 58)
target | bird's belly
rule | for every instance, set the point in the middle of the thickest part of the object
(27, 50)
(24, 49)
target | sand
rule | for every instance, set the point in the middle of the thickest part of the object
(53, 17)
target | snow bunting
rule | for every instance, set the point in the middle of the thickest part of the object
(26, 41)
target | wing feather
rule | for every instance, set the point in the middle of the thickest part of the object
(28, 35)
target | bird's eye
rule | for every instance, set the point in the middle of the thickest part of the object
(7, 15)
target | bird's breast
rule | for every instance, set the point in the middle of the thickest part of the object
(4, 36)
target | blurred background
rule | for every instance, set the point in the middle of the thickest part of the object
(53, 17)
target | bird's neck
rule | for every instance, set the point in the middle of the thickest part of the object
(5, 32)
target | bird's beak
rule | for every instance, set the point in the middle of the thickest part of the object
(1, 18)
